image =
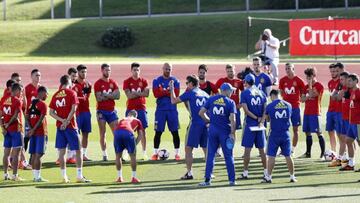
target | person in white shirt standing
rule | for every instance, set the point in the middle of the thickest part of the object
(269, 46)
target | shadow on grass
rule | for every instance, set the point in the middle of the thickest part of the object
(316, 197)
(299, 185)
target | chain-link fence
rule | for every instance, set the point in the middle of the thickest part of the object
(50, 9)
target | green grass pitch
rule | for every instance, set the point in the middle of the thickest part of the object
(160, 180)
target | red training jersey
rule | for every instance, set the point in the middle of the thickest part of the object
(35, 113)
(209, 87)
(133, 85)
(83, 91)
(354, 116)
(8, 106)
(30, 93)
(291, 90)
(334, 105)
(130, 124)
(313, 105)
(236, 83)
(62, 102)
(105, 87)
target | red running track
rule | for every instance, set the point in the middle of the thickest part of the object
(52, 72)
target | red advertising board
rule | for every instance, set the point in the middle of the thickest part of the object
(314, 37)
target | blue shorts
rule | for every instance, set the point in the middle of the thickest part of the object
(312, 124)
(251, 138)
(238, 119)
(68, 137)
(332, 122)
(296, 117)
(170, 117)
(108, 116)
(142, 116)
(279, 139)
(353, 131)
(344, 127)
(124, 139)
(83, 121)
(13, 140)
(197, 134)
(38, 144)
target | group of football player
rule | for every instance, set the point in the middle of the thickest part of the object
(214, 110)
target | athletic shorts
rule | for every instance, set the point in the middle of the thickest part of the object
(196, 135)
(251, 138)
(142, 116)
(332, 122)
(311, 124)
(238, 119)
(67, 138)
(170, 117)
(13, 140)
(38, 144)
(344, 127)
(279, 139)
(108, 116)
(84, 122)
(296, 117)
(124, 139)
(353, 131)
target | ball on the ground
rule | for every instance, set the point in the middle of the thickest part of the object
(163, 154)
(329, 155)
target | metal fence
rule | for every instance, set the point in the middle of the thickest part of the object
(246, 6)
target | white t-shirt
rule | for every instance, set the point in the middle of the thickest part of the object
(269, 51)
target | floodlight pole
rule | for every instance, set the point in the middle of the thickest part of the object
(198, 7)
(4, 10)
(247, 35)
(346, 4)
(100, 8)
(297, 5)
(67, 8)
(149, 8)
(247, 6)
(52, 9)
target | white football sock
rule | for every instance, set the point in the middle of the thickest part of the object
(292, 176)
(351, 161)
(245, 173)
(63, 173)
(84, 151)
(190, 173)
(120, 173)
(79, 173)
(156, 151)
(265, 172)
(133, 174)
(104, 152)
(177, 151)
(34, 173)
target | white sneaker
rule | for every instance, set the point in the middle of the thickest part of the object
(145, 157)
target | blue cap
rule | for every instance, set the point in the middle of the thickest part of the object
(249, 78)
(226, 87)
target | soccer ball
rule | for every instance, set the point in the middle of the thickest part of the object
(329, 155)
(163, 154)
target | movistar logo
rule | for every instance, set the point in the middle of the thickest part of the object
(136, 90)
(255, 101)
(290, 91)
(218, 111)
(279, 115)
(107, 91)
(200, 102)
(7, 110)
(60, 103)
